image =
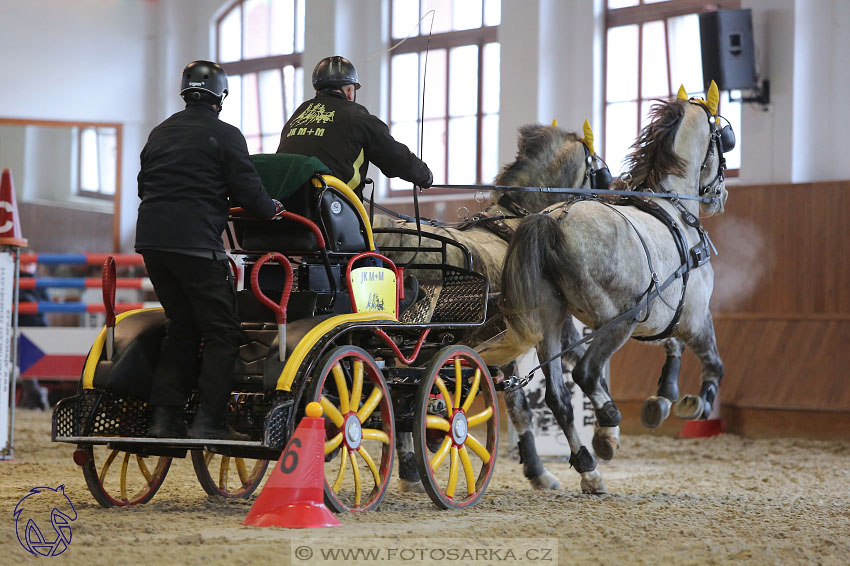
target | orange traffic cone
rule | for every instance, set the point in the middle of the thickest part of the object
(712, 426)
(10, 229)
(293, 496)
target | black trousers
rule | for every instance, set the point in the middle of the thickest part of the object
(199, 301)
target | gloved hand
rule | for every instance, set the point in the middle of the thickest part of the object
(278, 208)
(428, 182)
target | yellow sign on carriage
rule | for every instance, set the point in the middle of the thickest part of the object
(374, 289)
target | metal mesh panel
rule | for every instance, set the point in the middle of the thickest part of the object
(419, 312)
(463, 299)
(117, 416)
(277, 425)
(64, 418)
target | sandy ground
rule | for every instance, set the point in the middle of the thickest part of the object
(723, 500)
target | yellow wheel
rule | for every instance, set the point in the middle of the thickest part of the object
(359, 429)
(456, 428)
(120, 479)
(227, 476)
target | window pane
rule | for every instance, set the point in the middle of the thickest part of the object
(291, 88)
(88, 157)
(254, 144)
(434, 153)
(405, 17)
(270, 143)
(271, 101)
(645, 107)
(282, 27)
(489, 148)
(406, 133)
(492, 65)
(467, 14)
(463, 81)
(256, 28)
(250, 109)
(300, 12)
(685, 53)
(462, 147)
(622, 63)
(620, 133)
(614, 4)
(492, 12)
(299, 89)
(442, 16)
(404, 90)
(107, 156)
(231, 109)
(435, 85)
(654, 83)
(230, 36)
(732, 112)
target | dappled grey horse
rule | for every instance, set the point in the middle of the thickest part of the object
(636, 269)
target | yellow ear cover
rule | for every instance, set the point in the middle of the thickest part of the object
(555, 122)
(682, 94)
(588, 136)
(713, 97)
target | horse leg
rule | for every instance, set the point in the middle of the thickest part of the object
(588, 375)
(520, 414)
(408, 474)
(704, 345)
(656, 409)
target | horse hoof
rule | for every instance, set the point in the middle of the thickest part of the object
(591, 482)
(689, 407)
(606, 440)
(407, 486)
(655, 411)
(545, 481)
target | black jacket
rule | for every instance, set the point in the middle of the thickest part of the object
(191, 165)
(346, 138)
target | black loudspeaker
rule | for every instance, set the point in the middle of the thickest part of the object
(728, 56)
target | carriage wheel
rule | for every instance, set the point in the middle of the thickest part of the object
(226, 476)
(466, 426)
(121, 479)
(359, 429)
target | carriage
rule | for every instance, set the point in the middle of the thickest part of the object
(326, 320)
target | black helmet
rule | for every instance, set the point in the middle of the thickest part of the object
(334, 72)
(204, 77)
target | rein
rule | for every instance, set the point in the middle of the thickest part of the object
(593, 193)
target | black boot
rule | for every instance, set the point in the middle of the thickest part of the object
(210, 427)
(167, 422)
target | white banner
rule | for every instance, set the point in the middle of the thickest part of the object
(7, 280)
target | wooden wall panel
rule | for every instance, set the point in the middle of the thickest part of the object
(58, 229)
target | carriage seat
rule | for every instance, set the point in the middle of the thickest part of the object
(304, 187)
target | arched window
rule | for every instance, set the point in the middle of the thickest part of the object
(259, 44)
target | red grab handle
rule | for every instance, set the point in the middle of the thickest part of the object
(108, 284)
(279, 310)
(239, 211)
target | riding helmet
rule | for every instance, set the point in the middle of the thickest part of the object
(334, 72)
(204, 77)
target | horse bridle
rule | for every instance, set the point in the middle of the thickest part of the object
(721, 139)
(598, 178)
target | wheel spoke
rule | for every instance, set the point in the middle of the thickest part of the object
(341, 387)
(333, 443)
(144, 469)
(467, 470)
(242, 470)
(458, 382)
(473, 390)
(441, 386)
(222, 473)
(124, 463)
(332, 412)
(437, 423)
(370, 404)
(477, 447)
(450, 489)
(357, 487)
(106, 464)
(481, 417)
(357, 385)
(441, 452)
(375, 434)
(341, 473)
(371, 463)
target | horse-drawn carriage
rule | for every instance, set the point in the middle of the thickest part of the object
(320, 309)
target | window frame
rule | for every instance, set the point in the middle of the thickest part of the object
(480, 37)
(98, 194)
(642, 14)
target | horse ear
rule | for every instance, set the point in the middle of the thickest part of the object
(555, 122)
(712, 98)
(588, 136)
(682, 94)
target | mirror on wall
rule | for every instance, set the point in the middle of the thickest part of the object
(67, 170)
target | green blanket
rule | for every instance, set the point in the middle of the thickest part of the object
(285, 173)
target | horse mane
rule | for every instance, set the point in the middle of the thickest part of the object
(542, 160)
(652, 157)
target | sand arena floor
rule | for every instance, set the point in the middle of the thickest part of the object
(724, 500)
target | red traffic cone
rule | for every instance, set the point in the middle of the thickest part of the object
(293, 496)
(712, 426)
(10, 229)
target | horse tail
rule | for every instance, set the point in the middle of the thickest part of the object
(534, 258)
